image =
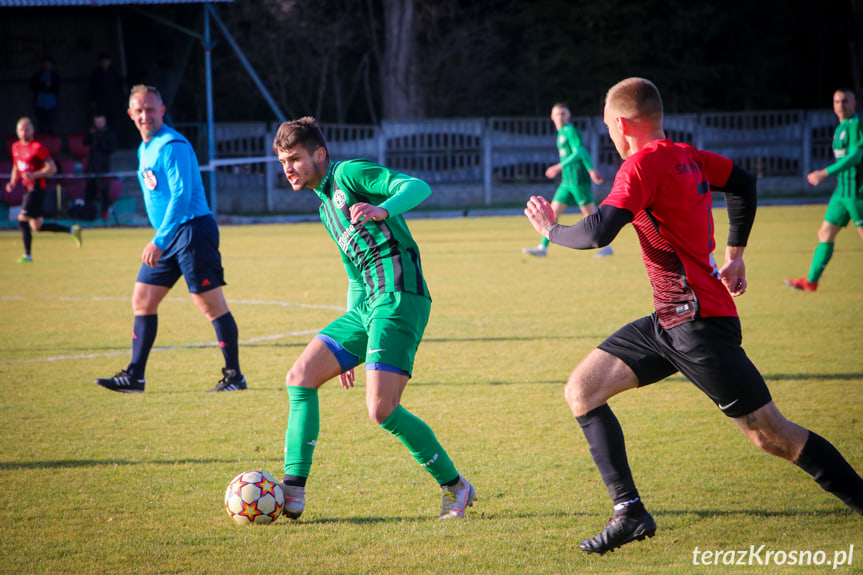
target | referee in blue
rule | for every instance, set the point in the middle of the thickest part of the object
(186, 244)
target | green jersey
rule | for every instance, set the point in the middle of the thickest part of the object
(380, 257)
(848, 151)
(574, 157)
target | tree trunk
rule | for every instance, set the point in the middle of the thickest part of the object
(400, 89)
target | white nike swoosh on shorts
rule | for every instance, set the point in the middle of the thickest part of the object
(376, 350)
(724, 407)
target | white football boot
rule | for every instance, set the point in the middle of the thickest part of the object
(456, 499)
(295, 500)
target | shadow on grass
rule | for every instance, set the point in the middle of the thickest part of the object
(815, 376)
(474, 515)
(513, 338)
(360, 520)
(67, 349)
(75, 463)
(164, 388)
(485, 516)
(792, 377)
(708, 513)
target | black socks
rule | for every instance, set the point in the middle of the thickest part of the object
(831, 471)
(605, 438)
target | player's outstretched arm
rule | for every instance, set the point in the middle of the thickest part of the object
(595, 231)
(540, 214)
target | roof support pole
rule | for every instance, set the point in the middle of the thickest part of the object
(211, 137)
(251, 71)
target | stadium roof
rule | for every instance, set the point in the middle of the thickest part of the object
(95, 3)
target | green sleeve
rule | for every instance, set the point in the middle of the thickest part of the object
(397, 193)
(408, 193)
(579, 150)
(853, 155)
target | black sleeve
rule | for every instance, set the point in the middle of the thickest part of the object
(595, 231)
(741, 201)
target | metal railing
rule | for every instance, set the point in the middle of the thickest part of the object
(500, 161)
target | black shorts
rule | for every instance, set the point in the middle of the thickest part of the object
(193, 254)
(33, 204)
(707, 351)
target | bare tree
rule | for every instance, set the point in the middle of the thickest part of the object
(311, 56)
(400, 86)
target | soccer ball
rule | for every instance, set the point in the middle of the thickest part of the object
(254, 497)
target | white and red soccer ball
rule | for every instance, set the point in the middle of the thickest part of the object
(254, 497)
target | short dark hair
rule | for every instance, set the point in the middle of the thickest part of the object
(303, 132)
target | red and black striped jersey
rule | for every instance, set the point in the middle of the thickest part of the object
(666, 186)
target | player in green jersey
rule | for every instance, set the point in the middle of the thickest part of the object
(388, 308)
(576, 172)
(846, 203)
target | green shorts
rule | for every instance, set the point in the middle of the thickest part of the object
(387, 331)
(573, 195)
(842, 210)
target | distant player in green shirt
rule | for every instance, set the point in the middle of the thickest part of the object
(388, 308)
(575, 170)
(846, 203)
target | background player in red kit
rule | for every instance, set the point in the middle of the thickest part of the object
(31, 164)
(663, 188)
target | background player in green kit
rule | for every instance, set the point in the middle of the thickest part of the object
(846, 203)
(388, 308)
(575, 170)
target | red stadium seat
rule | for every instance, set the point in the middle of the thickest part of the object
(116, 189)
(77, 147)
(65, 166)
(16, 196)
(53, 142)
(75, 187)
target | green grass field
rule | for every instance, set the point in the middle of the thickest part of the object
(101, 482)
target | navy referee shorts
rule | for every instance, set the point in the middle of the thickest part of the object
(193, 254)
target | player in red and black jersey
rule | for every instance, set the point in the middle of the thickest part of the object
(31, 164)
(663, 189)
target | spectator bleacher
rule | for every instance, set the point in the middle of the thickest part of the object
(78, 149)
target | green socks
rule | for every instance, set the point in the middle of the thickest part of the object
(304, 424)
(422, 443)
(544, 242)
(823, 253)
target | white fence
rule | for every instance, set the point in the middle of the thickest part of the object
(502, 161)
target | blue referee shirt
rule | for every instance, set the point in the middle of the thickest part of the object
(170, 179)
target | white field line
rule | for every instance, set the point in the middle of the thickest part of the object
(168, 348)
(175, 299)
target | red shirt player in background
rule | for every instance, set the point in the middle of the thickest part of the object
(31, 164)
(663, 188)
